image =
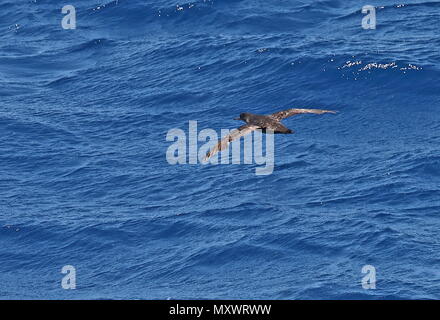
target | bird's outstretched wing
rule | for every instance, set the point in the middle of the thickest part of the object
(233, 135)
(291, 112)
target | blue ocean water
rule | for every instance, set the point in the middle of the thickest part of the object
(84, 180)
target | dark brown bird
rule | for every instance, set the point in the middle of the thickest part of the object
(271, 123)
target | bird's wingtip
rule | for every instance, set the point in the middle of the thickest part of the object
(205, 159)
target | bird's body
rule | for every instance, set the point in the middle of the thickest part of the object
(266, 123)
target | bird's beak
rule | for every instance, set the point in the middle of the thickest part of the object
(237, 119)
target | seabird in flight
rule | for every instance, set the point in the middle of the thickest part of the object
(256, 121)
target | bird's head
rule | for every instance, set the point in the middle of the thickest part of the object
(244, 116)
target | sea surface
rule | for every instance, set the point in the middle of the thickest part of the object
(85, 181)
